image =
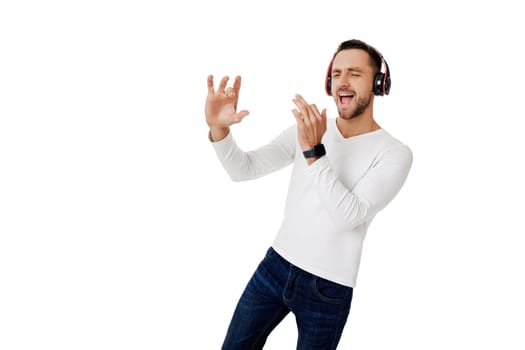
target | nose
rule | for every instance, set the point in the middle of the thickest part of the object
(343, 82)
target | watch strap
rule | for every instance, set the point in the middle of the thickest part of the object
(318, 151)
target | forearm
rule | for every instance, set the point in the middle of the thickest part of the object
(241, 165)
(351, 207)
(346, 208)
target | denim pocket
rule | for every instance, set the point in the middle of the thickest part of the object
(331, 292)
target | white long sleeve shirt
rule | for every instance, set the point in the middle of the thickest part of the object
(330, 203)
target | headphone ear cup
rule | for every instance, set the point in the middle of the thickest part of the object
(328, 85)
(378, 84)
(328, 81)
(387, 84)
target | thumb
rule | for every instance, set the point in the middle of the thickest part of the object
(240, 116)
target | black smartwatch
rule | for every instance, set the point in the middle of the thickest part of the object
(318, 151)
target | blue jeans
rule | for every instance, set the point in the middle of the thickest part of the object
(321, 307)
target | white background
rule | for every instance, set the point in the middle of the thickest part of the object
(120, 230)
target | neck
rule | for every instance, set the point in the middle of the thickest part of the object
(356, 126)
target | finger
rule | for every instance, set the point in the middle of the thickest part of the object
(222, 84)
(300, 101)
(237, 85)
(323, 115)
(315, 112)
(307, 119)
(310, 120)
(303, 108)
(236, 88)
(243, 113)
(210, 83)
(300, 98)
(307, 112)
(298, 117)
(307, 109)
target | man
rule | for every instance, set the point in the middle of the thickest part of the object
(345, 171)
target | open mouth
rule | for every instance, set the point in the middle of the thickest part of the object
(345, 98)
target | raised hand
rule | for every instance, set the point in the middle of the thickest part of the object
(311, 125)
(221, 104)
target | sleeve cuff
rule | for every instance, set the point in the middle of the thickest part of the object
(228, 137)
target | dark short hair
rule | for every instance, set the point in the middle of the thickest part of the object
(375, 58)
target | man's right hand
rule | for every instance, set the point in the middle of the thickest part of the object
(221, 107)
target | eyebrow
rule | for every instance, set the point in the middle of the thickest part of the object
(352, 69)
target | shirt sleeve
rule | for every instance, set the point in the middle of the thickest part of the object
(350, 208)
(242, 166)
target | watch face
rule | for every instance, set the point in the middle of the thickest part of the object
(319, 150)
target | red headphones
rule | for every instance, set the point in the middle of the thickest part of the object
(382, 80)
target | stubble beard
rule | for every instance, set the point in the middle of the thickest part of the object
(361, 105)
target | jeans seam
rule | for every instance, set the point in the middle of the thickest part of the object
(337, 336)
(340, 327)
(288, 278)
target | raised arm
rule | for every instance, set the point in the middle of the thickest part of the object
(221, 113)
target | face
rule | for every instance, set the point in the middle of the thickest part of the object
(352, 77)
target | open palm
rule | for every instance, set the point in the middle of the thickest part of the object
(221, 104)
